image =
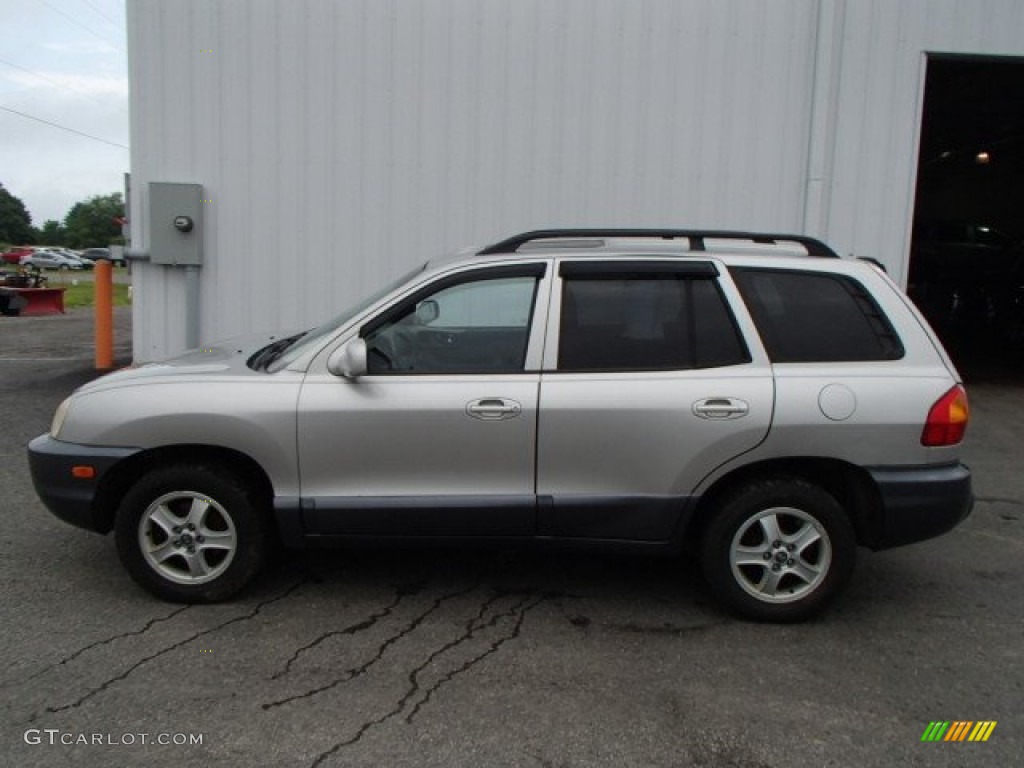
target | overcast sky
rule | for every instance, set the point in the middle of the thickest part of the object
(62, 62)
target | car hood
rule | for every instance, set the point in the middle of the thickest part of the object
(225, 358)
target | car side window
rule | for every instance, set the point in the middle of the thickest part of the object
(809, 317)
(467, 326)
(650, 321)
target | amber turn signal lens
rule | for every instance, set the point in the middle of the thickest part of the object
(947, 419)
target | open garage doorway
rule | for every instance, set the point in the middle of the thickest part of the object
(967, 253)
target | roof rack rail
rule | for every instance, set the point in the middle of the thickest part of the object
(873, 260)
(696, 237)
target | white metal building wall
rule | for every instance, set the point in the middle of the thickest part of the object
(878, 109)
(340, 142)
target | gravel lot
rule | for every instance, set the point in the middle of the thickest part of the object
(510, 658)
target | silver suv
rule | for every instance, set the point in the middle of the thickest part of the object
(751, 399)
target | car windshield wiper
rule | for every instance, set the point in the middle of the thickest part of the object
(262, 359)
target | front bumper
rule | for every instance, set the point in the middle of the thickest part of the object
(920, 502)
(68, 497)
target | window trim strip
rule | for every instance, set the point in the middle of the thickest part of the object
(625, 270)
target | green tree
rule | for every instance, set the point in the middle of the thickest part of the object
(95, 222)
(51, 233)
(15, 221)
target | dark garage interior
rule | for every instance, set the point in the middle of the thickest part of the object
(967, 253)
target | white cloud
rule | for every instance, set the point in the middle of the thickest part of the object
(62, 62)
(70, 85)
(80, 47)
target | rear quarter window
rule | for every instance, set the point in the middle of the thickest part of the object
(810, 317)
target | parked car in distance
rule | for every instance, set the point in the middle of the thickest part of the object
(51, 260)
(749, 401)
(74, 256)
(103, 253)
(17, 255)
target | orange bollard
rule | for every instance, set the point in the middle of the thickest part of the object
(104, 285)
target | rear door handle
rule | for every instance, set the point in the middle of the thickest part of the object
(494, 409)
(720, 408)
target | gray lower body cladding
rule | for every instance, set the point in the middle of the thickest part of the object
(920, 503)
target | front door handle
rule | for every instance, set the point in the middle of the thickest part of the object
(720, 408)
(494, 409)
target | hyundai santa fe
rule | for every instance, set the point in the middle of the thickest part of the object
(751, 400)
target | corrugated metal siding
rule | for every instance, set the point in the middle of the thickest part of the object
(343, 142)
(880, 99)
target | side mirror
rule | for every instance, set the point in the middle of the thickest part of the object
(349, 360)
(427, 311)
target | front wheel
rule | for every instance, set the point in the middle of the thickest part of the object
(778, 550)
(191, 533)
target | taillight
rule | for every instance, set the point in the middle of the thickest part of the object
(947, 419)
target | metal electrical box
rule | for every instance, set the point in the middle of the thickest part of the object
(175, 223)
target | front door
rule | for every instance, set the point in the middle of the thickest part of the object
(439, 437)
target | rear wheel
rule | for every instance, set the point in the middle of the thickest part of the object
(191, 533)
(778, 550)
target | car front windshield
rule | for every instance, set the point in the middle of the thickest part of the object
(321, 333)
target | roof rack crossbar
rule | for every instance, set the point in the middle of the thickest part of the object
(696, 237)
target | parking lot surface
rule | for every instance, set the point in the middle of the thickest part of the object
(499, 658)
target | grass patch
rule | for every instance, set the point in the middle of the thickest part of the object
(84, 295)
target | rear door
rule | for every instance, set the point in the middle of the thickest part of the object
(648, 386)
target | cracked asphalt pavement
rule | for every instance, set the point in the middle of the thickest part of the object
(495, 658)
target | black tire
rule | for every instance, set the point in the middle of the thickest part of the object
(223, 550)
(778, 550)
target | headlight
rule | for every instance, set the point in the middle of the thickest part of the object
(58, 418)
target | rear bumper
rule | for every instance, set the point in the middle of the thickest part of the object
(68, 497)
(919, 503)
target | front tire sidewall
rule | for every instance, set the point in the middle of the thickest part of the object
(237, 503)
(738, 509)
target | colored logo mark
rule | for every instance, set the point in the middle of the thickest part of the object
(958, 730)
